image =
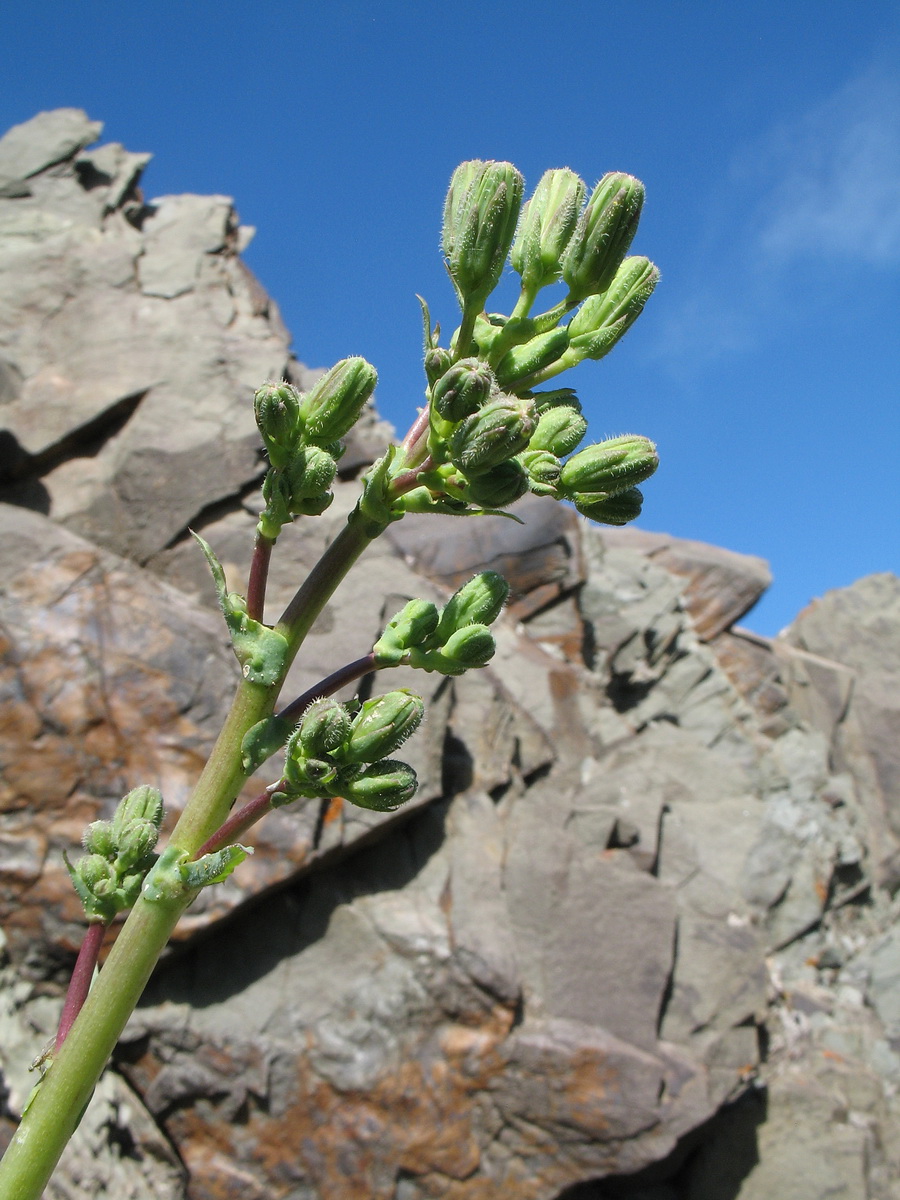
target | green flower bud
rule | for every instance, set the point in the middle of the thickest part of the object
(437, 361)
(136, 844)
(542, 469)
(381, 787)
(545, 228)
(309, 473)
(472, 646)
(411, 626)
(478, 602)
(313, 506)
(141, 804)
(277, 410)
(98, 839)
(498, 431)
(544, 401)
(323, 728)
(617, 509)
(611, 466)
(522, 361)
(97, 874)
(309, 776)
(559, 430)
(502, 485)
(382, 725)
(333, 405)
(463, 389)
(604, 232)
(480, 216)
(277, 496)
(602, 320)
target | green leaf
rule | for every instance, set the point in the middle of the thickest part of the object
(261, 651)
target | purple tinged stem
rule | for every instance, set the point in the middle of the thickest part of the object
(80, 983)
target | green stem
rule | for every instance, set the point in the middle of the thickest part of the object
(62, 1095)
(57, 1105)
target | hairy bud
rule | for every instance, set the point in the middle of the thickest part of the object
(546, 227)
(480, 216)
(559, 430)
(382, 787)
(411, 626)
(611, 466)
(309, 475)
(277, 410)
(501, 486)
(498, 431)
(617, 509)
(382, 725)
(462, 389)
(605, 230)
(478, 602)
(324, 726)
(332, 407)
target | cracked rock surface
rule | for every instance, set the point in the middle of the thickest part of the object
(635, 936)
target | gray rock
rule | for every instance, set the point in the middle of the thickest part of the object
(42, 142)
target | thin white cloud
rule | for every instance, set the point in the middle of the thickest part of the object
(820, 191)
(838, 193)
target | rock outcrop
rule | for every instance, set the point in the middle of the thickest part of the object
(634, 937)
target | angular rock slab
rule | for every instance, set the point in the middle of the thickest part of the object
(132, 338)
(722, 585)
(369, 1036)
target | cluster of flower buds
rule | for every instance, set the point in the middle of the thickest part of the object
(492, 436)
(450, 640)
(119, 853)
(301, 433)
(342, 750)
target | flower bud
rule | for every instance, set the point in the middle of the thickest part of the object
(382, 725)
(480, 216)
(542, 469)
(478, 602)
(604, 232)
(602, 320)
(97, 874)
(313, 506)
(502, 485)
(415, 622)
(544, 401)
(437, 361)
(381, 787)
(141, 804)
(136, 843)
(498, 431)
(324, 726)
(617, 509)
(522, 361)
(472, 646)
(309, 473)
(309, 776)
(277, 496)
(277, 410)
(611, 466)
(333, 405)
(559, 430)
(98, 839)
(545, 228)
(462, 389)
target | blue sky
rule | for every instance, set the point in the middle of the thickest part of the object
(767, 363)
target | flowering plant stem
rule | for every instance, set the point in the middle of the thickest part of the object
(59, 1101)
(481, 441)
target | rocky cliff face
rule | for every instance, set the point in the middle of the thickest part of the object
(634, 937)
